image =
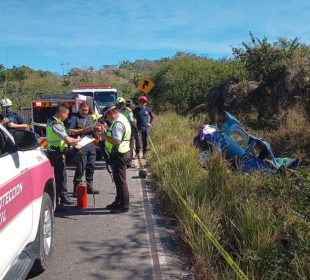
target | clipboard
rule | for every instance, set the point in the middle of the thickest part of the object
(84, 141)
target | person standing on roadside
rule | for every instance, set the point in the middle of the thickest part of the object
(10, 119)
(117, 146)
(122, 108)
(81, 125)
(57, 144)
(144, 118)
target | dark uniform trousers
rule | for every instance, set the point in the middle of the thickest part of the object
(85, 163)
(120, 163)
(142, 140)
(58, 161)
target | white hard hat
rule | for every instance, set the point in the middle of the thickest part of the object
(6, 102)
(120, 100)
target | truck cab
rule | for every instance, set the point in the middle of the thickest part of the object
(104, 95)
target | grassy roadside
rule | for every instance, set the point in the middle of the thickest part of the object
(261, 220)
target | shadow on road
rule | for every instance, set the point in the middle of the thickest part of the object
(113, 256)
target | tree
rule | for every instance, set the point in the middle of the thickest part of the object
(266, 62)
(2, 73)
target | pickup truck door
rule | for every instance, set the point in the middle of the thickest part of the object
(15, 201)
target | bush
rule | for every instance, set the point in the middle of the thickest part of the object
(184, 79)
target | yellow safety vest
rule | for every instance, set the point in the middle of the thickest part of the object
(54, 140)
(124, 146)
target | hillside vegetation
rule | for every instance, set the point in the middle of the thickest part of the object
(263, 78)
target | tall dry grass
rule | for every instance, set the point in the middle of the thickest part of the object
(292, 139)
(261, 220)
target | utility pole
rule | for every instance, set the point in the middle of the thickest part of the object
(67, 67)
(63, 68)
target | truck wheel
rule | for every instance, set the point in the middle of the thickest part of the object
(45, 237)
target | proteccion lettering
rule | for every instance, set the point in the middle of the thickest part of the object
(10, 195)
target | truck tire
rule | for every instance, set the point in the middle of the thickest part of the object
(45, 237)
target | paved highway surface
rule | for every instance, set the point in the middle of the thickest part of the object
(94, 244)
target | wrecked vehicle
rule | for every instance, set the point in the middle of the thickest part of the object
(243, 151)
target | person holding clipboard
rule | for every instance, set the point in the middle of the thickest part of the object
(83, 125)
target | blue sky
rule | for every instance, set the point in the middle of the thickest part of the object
(42, 33)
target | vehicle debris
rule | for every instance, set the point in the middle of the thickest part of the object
(242, 150)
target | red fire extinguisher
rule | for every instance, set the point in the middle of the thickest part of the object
(82, 195)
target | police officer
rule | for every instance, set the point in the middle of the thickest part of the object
(9, 119)
(122, 107)
(57, 143)
(82, 124)
(117, 145)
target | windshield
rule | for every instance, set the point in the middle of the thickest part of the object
(105, 98)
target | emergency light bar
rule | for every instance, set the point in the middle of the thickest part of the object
(39, 104)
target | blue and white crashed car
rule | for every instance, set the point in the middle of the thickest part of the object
(242, 150)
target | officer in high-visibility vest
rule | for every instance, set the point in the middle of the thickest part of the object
(117, 146)
(122, 107)
(57, 143)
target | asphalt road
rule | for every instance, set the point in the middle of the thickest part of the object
(94, 244)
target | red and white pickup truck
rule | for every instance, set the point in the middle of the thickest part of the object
(27, 203)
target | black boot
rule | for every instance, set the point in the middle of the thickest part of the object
(65, 201)
(90, 189)
(113, 205)
(75, 185)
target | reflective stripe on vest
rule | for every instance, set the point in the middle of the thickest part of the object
(52, 139)
(124, 146)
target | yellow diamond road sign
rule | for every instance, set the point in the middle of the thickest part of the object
(146, 85)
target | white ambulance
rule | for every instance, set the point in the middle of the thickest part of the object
(27, 203)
